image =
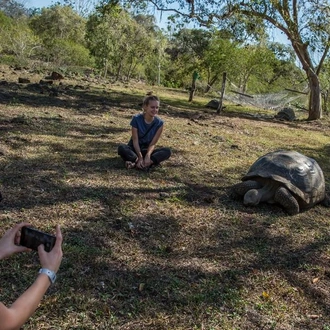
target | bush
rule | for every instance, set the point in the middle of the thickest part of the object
(76, 54)
(67, 53)
(10, 60)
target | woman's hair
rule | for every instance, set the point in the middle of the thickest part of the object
(149, 98)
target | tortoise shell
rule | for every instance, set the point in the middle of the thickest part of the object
(298, 173)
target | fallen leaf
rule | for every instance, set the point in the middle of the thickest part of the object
(265, 295)
(315, 279)
(313, 316)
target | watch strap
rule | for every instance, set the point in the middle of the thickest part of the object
(51, 275)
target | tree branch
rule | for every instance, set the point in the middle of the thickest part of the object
(295, 12)
(324, 55)
(192, 14)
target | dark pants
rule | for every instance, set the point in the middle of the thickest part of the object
(127, 153)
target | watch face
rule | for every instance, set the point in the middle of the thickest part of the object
(52, 277)
(49, 273)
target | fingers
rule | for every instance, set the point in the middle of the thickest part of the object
(140, 164)
(18, 227)
(59, 237)
(14, 233)
(10, 240)
(41, 251)
(22, 249)
(17, 231)
(22, 224)
(147, 162)
(52, 259)
(58, 242)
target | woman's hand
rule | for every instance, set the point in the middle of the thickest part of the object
(9, 243)
(52, 260)
(140, 163)
(147, 160)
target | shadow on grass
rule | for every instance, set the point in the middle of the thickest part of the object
(122, 267)
(80, 98)
(102, 274)
(85, 99)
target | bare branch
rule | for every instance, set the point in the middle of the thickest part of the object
(295, 12)
(324, 55)
(193, 15)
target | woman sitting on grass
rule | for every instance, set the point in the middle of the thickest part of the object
(147, 127)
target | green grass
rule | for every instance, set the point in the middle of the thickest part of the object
(169, 249)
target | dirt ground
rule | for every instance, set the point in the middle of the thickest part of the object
(167, 249)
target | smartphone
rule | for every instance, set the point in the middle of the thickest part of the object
(32, 238)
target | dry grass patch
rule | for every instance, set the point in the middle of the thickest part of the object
(167, 249)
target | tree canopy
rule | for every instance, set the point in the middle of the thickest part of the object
(304, 23)
(121, 40)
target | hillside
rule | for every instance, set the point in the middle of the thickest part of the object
(168, 249)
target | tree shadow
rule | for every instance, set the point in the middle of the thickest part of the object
(135, 267)
(81, 98)
(102, 262)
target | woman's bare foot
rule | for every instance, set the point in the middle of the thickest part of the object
(129, 165)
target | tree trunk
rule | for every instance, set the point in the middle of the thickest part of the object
(210, 84)
(224, 78)
(105, 72)
(118, 71)
(315, 104)
(193, 86)
(325, 100)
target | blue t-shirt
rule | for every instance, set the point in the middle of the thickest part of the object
(139, 123)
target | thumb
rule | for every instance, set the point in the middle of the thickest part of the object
(41, 249)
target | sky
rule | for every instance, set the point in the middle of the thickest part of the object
(38, 3)
(47, 3)
(276, 36)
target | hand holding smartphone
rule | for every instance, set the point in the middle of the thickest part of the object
(32, 238)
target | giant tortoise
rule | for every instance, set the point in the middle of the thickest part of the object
(288, 178)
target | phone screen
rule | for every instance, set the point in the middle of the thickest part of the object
(32, 238)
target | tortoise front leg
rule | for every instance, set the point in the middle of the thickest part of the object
(287, 200)
(240, 189)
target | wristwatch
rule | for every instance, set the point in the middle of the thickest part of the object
(49, 273)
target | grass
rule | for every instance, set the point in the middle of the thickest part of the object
(169, 249)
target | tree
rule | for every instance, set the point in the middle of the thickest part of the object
(156, 62)
(304, 23)
(5, 25)
(284, 70)
(82, 7)
(219, 56)
(16, 38)
(12, 8)
(257, 61)
(186, 49)
(21, 41)
(62, 32)
(325, 81)
(58, 22)
(119, 43)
